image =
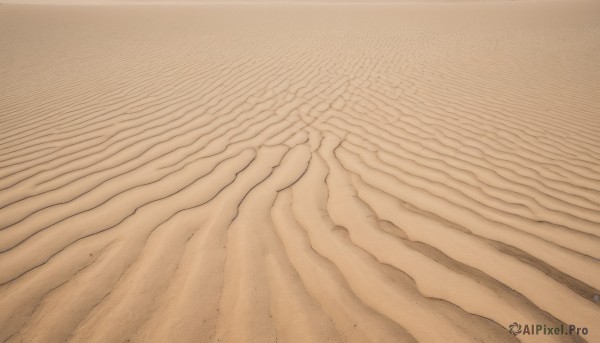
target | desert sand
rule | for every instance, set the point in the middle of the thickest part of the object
(299, 172)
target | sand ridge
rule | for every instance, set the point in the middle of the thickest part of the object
(331, 173)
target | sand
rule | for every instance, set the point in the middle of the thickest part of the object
(299, 173)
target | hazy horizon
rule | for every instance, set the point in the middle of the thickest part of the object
(249, 1)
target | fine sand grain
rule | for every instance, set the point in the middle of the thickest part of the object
(299, 173)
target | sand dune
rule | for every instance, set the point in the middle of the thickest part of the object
(299, 173)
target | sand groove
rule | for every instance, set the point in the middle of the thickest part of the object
(311, 173)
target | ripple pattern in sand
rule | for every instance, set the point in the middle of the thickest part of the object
(298, 173)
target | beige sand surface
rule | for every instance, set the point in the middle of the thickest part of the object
(299, 173)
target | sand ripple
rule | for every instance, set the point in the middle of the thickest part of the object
(299, 173)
